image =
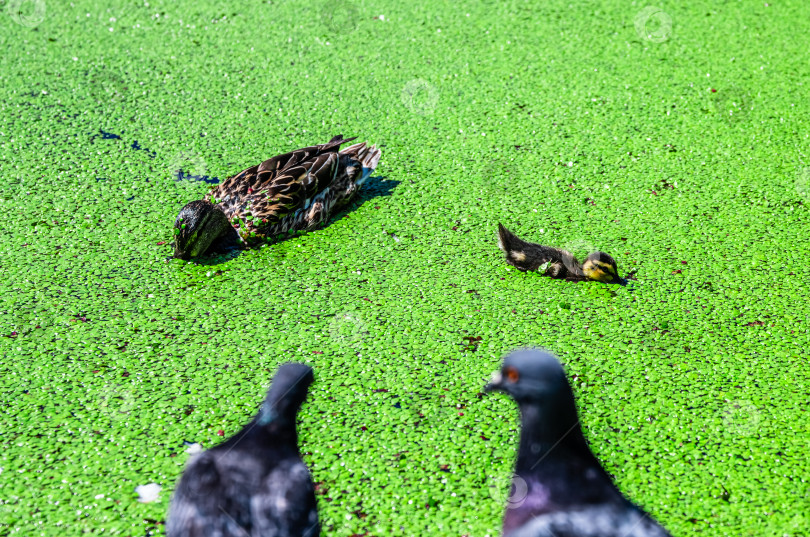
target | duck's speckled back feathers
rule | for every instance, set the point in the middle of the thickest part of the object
(255, 483)
(296, 190)
(528, 256)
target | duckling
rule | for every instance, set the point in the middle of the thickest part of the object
(290, 192)
(555, 262)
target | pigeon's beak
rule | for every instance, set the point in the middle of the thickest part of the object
(495, 383)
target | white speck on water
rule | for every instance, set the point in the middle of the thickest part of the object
(148, 493)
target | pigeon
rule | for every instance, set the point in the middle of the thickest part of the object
(567, 492)
(255, 483)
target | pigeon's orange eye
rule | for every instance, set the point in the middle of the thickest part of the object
(511, 374)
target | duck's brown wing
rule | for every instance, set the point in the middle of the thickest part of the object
(264, 194)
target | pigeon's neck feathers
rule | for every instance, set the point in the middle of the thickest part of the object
(285, 397)
(268, 413)
(548, 436)
(273, 425)
(554, 453)
(277, 411)
(260, 433)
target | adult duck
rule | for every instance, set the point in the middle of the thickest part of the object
(291, 192)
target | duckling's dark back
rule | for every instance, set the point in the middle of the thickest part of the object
(529, 256)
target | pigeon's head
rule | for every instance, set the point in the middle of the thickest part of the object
(530, 375)
(286, 394)
(196, 227)
(600, 267)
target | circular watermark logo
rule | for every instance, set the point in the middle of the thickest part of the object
(741, 417)
(579, 249)
(348, 328)
(653, 24)
(116, 15)
(188, 165)
(29, 13)
(116, 402)
(510, 491)
(803, 183)
(798, 523)
(8, 506)
(732, 104)
(106, 83)
(420, 97)
(380, 143)
(340, 16)
(438, 415)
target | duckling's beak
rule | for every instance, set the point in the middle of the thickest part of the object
(620, 281)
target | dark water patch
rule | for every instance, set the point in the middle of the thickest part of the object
(180, 175)
(136, 146)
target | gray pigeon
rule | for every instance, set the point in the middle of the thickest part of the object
(567, 492)
(254, 484)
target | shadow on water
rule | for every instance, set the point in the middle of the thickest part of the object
(226, 249)
(374, 187)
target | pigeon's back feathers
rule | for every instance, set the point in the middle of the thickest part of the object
(601, 521)
(254, 484)
(285, 507)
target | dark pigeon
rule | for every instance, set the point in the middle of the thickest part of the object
(568, 493)
(254, 484)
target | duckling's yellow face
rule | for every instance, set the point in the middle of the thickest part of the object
(602, 268)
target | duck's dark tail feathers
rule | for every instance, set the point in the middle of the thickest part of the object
(367, 156)
(508, 241)
(519, 253)
(336, 141)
